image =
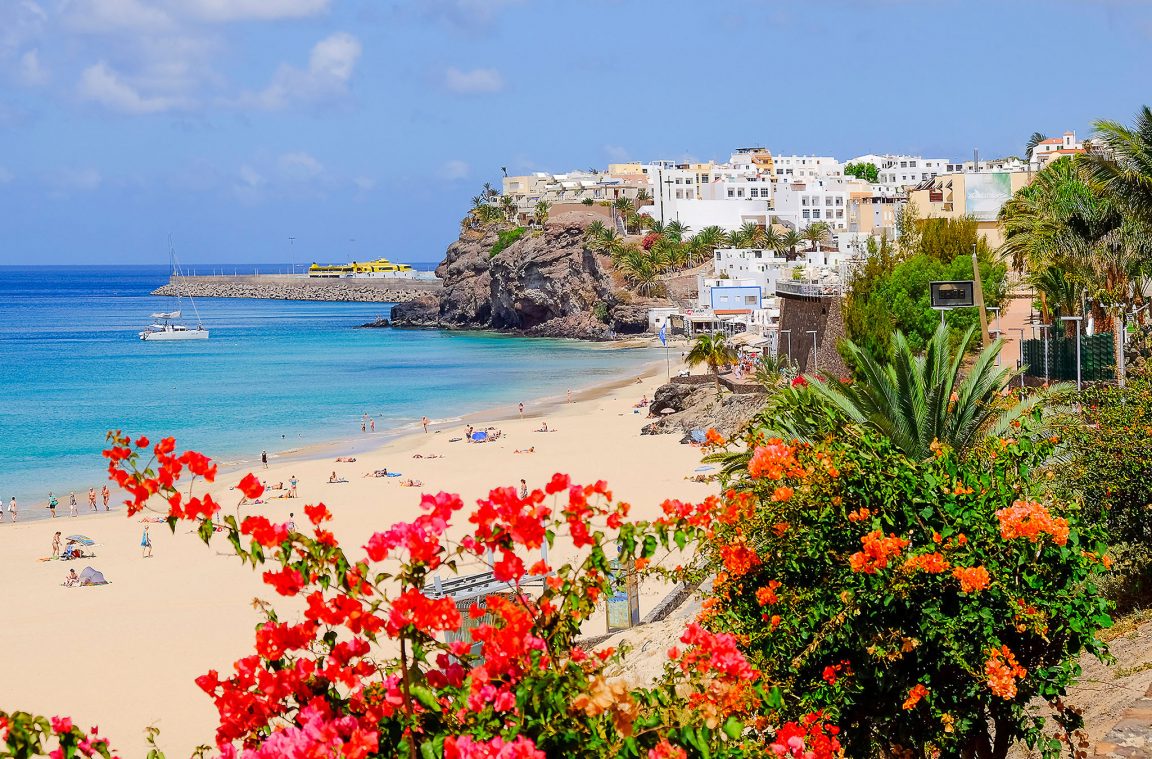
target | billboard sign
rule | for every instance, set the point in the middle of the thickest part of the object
(984, 194)
(952, 294)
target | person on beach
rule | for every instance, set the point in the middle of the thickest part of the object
(291, 522)
(145, 544)
(71, 578)
(12, 508)
(92, 498)
(52, 503)
(264, 458)
(105, 494)
(523, 488)
(363, 426)
(371, 425)
(72, 503)
(292, 482)
(569, 396)
(521, 410)
(56, 545)
(424, 421)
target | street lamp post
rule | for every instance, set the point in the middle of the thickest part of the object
(1020, 361)
(789, 333)
(1078, 320)
(996, 336)
(815, 361)
(997, 310)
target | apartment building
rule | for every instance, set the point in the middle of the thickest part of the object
(979, 195)
(897, 173)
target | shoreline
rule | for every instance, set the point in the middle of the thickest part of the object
(350, 444)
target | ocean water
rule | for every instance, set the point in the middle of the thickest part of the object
(275, 375)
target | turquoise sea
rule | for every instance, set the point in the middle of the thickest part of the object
(275, 375)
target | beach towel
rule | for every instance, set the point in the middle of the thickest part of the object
(394, 474)
(698, 436)
(479, 436)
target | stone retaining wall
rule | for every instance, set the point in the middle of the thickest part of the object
(1132, 735)
(283, 287)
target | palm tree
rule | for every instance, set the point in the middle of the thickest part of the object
(643, 197)
(789, 242)
(737, 239)
(752, 233)
(595, 231)
(656, 227)
(712, 349)
(509, 206)
(771, 240)
(675, 230)
(640, 270)
(918, 401)
(624, 206)
(816, 233)
(541, 212)
(1033, 141)
(1124, 168)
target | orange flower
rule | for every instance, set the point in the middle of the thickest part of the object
(783, 494)
(642, 562)
(972, 579)
(767, 595)
(774, 461)
(877, 551)
(712, 437)
(1029, 519)
(859, 515)
(918, 692)
(1003, 670)
(932, 563)
(738, 558)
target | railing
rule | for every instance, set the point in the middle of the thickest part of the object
(808, 289)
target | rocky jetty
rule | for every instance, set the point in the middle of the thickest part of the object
(279, 287)
(546, 283)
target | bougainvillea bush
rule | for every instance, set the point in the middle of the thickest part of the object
(919, 605)
(331, 683)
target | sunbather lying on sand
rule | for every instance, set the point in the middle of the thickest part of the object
(410, 483)
(377, 473)
(346, 460)
(526, 450)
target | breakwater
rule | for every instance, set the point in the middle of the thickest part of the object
(288, 287)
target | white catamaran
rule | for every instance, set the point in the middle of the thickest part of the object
(164, 327)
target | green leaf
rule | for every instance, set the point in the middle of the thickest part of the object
(681, 539)
(733, 728)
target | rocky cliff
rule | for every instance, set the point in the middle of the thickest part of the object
(546, 283)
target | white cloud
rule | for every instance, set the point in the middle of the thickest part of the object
(31, 72)
(101, 85)
(476, 81)
(106, 16)
(616, 153)
(455, 170)
(20, 22)
(71, 180)
(257, 10)
(330, 67)
(300, 166)
(466, 15)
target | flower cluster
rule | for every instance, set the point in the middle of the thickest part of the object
(972, 579)
(810, 738)
(1002, 671)
(917, 692)
(1029, 519)
(878, 550)
(932, 563)
(23, 734)
(774, 461)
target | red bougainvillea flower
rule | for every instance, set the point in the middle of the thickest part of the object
(738, 558)
(250, 486)
(287, 582)
(665, 750)
(972, 579)
(877, 552)
(465, 747)
(766, 596)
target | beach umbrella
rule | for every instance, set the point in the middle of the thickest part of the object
(83, 540)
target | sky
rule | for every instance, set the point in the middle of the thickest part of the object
(361, 128)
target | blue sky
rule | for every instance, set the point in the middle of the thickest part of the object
(362, 127)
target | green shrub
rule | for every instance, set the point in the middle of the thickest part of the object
(505, 238)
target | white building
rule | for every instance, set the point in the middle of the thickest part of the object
(799, 203)
(899, 172)
(1053, 148)
(709, 194)
(806, 166)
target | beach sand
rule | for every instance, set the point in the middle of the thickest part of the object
(124, 656)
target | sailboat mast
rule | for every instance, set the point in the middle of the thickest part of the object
(178, 276)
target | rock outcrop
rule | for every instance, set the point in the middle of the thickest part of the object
(696, 407)
(546, 283)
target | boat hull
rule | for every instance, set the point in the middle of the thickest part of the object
(191, 334)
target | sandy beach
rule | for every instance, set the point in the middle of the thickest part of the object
(124, 656)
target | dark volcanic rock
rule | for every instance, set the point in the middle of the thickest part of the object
(700, 409)
(380, 323)
(672, 397)
(546, 283)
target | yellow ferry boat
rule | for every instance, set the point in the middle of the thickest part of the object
(381, 267)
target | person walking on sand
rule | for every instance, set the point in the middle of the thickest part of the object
(52, 503)
(264, 458)
(56, 545)
(569, 395)
(523, 489)
(92, 498)
(424, 421)
(291, 522)
(371, 425)
(292, 481)
(72, 503)
(105, 494)
(146, 544)
(521, 410)
(12, 508)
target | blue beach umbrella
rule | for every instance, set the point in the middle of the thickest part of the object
(83, 540)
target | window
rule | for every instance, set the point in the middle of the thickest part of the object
(816, 213)
(740, 193)
(839, 200)
(839, 213)
(806, 213)
(827, 200)
(803, 200)
(754, 193)
(911, 164)
(731, 193)
(903, 164)
(759, 254)
(749, 300)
